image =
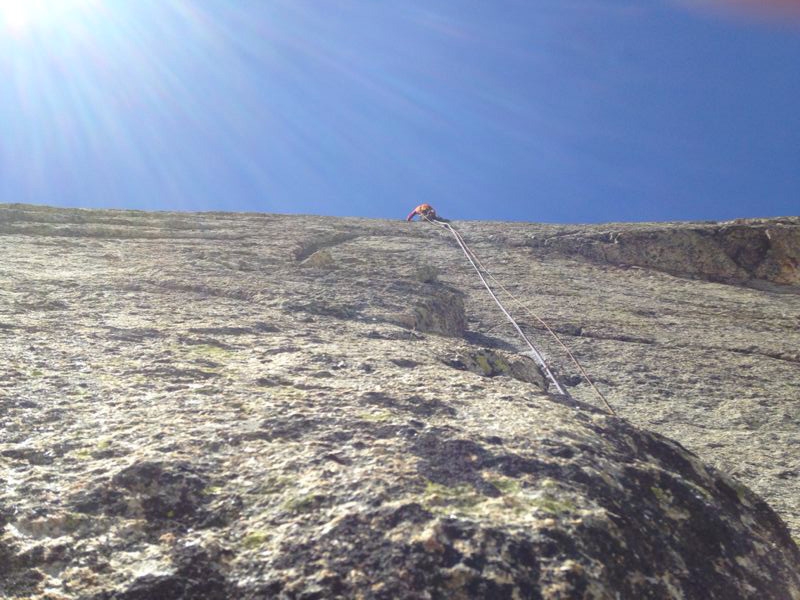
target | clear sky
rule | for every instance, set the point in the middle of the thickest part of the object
(532, 110)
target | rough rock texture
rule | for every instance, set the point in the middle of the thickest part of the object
(256, 406)
(755, 251)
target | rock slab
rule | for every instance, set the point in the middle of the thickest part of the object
(261, 406)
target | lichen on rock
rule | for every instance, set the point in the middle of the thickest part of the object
(437, 310)
(193, 406)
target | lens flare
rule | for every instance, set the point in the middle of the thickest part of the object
(20, 17)
(16, 15)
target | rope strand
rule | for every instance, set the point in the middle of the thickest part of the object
(480, 269)
(536, 354)
(547, 328)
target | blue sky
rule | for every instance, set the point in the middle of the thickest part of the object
(531, 110)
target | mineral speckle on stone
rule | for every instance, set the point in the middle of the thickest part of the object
(254, 406)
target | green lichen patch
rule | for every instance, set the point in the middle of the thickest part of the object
(72, 522)
(506, 485)
(552, 504)
(438, 498)
(667, 503)
(490, 367)
(82, 454)
(380, 416)
(303, 504)
(255, 539)
(515, 503)
(663, 496)
(212, 350)
(275, 484)
(287, 392)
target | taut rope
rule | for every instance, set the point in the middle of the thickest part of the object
(480, 269)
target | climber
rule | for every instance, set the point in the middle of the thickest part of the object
(427, 212)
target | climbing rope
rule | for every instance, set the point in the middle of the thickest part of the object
(546, 327)
(481, 269)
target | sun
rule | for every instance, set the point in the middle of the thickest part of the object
(19, 17)
(15, 15)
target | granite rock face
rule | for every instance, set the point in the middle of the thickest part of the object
(256, 406)
(752, 251)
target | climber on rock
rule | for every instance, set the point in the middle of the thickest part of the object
(427, 213)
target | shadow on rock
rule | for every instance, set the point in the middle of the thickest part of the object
(198, 575)
(166, 495)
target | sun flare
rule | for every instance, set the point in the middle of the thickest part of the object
(19, 17)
